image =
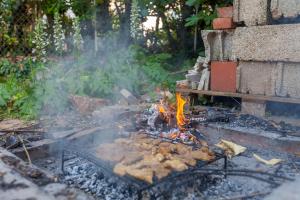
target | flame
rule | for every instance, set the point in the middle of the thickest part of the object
(181, 120)
(161, 109)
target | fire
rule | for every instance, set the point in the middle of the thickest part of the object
(181, 120)
(161, 109)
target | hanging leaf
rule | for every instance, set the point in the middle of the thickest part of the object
(192, 21)
(194, 2)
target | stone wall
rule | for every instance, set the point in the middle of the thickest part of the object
(263, 41)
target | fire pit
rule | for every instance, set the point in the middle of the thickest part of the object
(138, 186)
(160, 152)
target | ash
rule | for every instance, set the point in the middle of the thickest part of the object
(89, 178)
(232, 119)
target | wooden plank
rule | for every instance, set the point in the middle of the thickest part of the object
(243, 96)
(34, 145)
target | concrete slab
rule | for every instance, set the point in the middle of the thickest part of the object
(256, 108)
(267, 43)
(269, 78)
(251, 12)
(252, 83)
(285, 8)
(218, 44)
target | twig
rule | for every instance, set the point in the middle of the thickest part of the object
(25, 149)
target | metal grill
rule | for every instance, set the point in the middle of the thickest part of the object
(140, 186)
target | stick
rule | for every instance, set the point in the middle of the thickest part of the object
(25, 149)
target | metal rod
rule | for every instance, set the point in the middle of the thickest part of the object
(63, 161)
(225, 165)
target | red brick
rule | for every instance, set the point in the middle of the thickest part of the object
(223, 23)
(223, 76)
(225, 12)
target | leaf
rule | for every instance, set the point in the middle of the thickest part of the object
(193, 20)
(194, 2)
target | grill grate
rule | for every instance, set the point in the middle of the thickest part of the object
(141, 186)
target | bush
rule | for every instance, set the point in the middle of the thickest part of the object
(28, 86)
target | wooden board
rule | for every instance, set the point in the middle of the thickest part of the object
(243, 96)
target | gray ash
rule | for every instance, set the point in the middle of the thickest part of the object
(91, 179)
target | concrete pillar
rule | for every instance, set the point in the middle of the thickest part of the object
(254, 107)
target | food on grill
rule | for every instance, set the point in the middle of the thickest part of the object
(183, 149)
(160, 157)
(144, 174)
(120, 169)
(161, 172)
(144, 158)
(132, 158)
(203, 154)
(187, 159)
(176, 164)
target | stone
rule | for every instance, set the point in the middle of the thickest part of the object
(129, 97)
(285, 9)
(85, 104)
(250, 12)
(223, 23)
(183, 84)
(218, 44)
(267, 43)
(275, 78)
(225, 11)
(204, 80)
(193, 77)
(254, 107)
(223, 76)
(199, 64)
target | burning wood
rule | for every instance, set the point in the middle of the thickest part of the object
(170, 122)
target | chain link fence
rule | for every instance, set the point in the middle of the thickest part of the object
(17, 26)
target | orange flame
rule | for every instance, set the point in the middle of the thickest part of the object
(161, 109)
(181, 120)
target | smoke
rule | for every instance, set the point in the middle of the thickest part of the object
(100, 74)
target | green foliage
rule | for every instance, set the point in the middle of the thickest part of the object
(18, 88)
(206, 11)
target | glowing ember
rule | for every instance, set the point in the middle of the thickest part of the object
(161, 109)
(165, 111)
(181, 120)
